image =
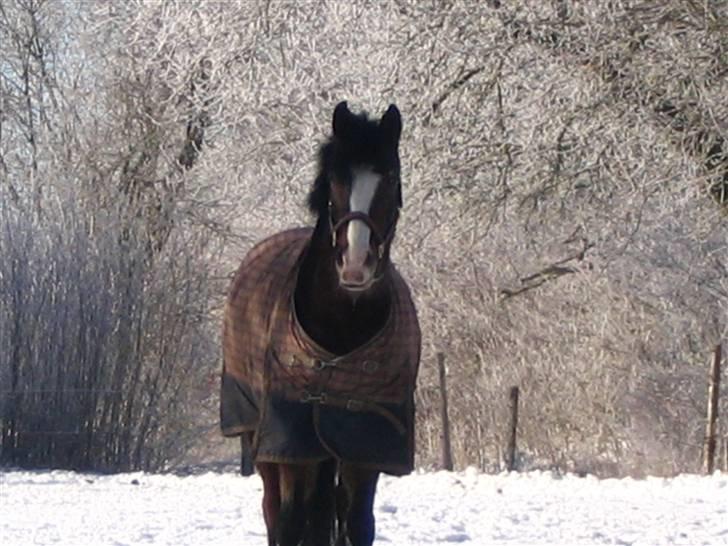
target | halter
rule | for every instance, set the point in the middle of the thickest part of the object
(381, 241)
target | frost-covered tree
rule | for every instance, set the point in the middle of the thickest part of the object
(564, 169)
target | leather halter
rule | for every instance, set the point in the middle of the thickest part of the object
(381, 241)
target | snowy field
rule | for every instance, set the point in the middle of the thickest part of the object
(426, 508)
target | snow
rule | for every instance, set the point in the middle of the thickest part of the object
(426, 508)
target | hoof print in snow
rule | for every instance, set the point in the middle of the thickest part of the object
(388, 509)
(457, 537)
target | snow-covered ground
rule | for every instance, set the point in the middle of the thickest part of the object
(425, 508)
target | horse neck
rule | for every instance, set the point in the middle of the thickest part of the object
(338, 321)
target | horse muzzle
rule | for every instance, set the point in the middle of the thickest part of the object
(356, 270)
(363, 248)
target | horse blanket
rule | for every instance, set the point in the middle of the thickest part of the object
(302, 403)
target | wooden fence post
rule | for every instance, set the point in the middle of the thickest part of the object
(712, 417)
(445, 418)
(512, 429)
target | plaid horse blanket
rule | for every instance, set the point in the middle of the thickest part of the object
(302, 403)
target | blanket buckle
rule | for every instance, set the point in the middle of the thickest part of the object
(354, 405)
(308, 397)
(323, 364)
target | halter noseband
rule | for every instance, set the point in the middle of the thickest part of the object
(381, 241)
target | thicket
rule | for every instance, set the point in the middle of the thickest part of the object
(565, 172)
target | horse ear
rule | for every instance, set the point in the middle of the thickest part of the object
(391, 123)
(341, 114)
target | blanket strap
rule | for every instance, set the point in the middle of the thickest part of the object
(351, 404)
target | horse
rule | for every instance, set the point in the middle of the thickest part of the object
(321, 346)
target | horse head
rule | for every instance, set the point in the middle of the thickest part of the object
(357, 193)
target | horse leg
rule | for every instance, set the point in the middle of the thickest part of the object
(291, 525)
(342, 509)
(320, 504)
(360, 485)
(271, 498)
(298, 503)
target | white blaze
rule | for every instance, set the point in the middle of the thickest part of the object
(363, 187)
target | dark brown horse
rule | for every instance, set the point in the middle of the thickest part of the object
(321, 346)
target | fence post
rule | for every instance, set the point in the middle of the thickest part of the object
(512, 429)
(445, 418)
(712, 416)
